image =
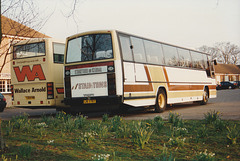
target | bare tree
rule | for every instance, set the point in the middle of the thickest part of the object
(22, 13)
(210, 50)
(228, 53)
(223, 52)
(23, 17)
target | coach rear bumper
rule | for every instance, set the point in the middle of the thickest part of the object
(103, 100)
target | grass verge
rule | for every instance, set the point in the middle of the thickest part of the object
(66, 137)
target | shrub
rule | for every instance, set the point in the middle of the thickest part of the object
(232, 135)
(219, 125)
(158, 123)
(100, 129)
(9, 128)
(105, 117)
(80, 121)
(116, 123)
(202, 132)
(141, 134)
(19, 122)
(157, 119)
(123, 131)
(175, 119)
(69, 125)
(211, 116)
(63, 116)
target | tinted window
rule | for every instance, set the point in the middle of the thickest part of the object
(197, 60)
(205, 61)
(58, 52)
(184, 58)
(138, 50)
(89, 47)
(171, 56)
(154, 52)
(29, 50)
(125, 46)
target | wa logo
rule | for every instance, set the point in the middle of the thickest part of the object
(31, 75)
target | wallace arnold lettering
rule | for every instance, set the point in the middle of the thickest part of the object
(22, 90)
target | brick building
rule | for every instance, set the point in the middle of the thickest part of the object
(12, 31)
(227, 72)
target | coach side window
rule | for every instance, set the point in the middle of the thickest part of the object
(197, 59)
(154, 52)
(58, 52)
(171, 55)
(184, 58)
(125, 46)
(205, 61)
(138, 50)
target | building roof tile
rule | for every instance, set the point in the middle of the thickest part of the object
(226, 69)
(13, 28)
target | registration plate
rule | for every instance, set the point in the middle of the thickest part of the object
(30, 97)
(89, 101)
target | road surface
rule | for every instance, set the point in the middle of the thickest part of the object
(227, 103)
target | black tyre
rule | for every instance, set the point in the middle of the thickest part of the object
(161, 101)
(205, 97)
(1, 109)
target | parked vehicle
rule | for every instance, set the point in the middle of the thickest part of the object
(226, 85)
(237, 84)
(3, 102)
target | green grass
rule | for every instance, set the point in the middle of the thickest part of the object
(66, 137)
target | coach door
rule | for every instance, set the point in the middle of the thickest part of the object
(128, 65)
(133, 59)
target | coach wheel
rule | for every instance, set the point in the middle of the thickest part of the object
(161, 101)
(205, 97)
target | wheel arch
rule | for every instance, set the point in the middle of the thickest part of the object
(207, 89)
(164, 89)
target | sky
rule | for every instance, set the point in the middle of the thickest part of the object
(185, 23)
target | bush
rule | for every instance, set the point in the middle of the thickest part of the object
(123, 131)
(105, 117)
(175, 119)
(116, 123)
(100, 129)
(141, 134)
(19, 122)
(232, 135)
(158, 123)
(211, 116)
(80, 121)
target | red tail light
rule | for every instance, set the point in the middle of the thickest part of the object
(50, 92)
(4, 99)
